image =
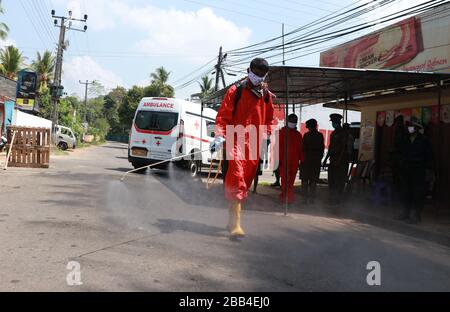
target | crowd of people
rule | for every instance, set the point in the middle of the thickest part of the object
(305, 153)
(249, 104)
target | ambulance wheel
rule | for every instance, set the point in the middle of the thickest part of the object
(194, 167)
(136, 165)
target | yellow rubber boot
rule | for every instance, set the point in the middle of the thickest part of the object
(230, 218)
(236, 230)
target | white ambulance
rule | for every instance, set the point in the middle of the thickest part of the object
(164, 128)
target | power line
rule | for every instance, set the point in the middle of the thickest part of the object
(236, 12)
(326, 39)
(42, 16)
(41, 22)
(273, 5)
(33, 24)
(318, 21)
(345, 31)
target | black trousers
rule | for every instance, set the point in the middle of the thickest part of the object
(413, 182)
(337, 176)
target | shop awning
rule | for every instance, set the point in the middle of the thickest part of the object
(321, 85)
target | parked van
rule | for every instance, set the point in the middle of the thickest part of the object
(64, 138)
(164, 128)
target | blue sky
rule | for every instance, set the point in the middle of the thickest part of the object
(128, 39)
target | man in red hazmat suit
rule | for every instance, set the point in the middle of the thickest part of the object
(246, 112)
(295, 156)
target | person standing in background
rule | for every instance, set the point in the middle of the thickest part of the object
(339, 160)
(313, 149)
(294, 157)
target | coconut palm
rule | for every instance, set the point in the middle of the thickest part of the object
(205, 86)
(44, 66)
(160, 76)
(159, 82)
(4, 29)
(11, 60)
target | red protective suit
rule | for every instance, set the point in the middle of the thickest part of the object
(251, 110)
(295, 156)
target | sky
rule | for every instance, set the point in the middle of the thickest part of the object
(126, 40)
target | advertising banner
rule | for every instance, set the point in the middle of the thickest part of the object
(419, 43)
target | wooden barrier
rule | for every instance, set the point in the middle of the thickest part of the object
(30, 147)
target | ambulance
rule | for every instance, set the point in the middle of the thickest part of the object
(164, 128)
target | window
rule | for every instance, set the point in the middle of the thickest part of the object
(156, 121)
(210, 128)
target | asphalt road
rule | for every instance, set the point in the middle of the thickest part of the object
(163, 231)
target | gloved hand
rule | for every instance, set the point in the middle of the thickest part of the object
(216, 144)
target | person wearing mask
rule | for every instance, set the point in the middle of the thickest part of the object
(313, 149)
(417, 160)
(294, 157)
(253, 109)
(339, 160)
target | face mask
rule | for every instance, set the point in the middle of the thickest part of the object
(255, 79)
(335, 125)
(292, 125)
(411, 130)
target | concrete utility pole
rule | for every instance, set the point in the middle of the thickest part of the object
(65, 24)
(219, 71)
(86, 84)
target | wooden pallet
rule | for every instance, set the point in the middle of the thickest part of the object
(31, 147)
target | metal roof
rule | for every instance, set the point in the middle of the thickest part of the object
(319, 85)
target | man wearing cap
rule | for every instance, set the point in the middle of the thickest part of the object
(339, 160)
(313, 148)
(295, 156)
(417, 158)
(234, 122)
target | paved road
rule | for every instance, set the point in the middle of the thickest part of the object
(164, 232)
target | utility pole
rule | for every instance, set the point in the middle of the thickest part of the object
(65, 24)
(219, 71)
(86, 84)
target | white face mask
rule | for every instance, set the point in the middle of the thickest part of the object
(292, 125)
(255, 79)
(411, 130)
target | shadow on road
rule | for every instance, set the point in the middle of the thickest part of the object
(167, 226)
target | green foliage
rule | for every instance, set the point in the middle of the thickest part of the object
(4, 29)
(45, 105)
(44, 66)
(11, 61)
(113, 101)
(159, 85)
(129, 105)
(205, 86)
(109, 113)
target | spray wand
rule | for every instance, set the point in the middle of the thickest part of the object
(161, 162)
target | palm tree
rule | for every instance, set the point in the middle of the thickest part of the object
(11, 60)
(44, 66)
(160, 76)
(4, 29)
(205, 86)
(159, 81)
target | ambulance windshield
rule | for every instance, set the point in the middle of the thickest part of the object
(156, 121)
